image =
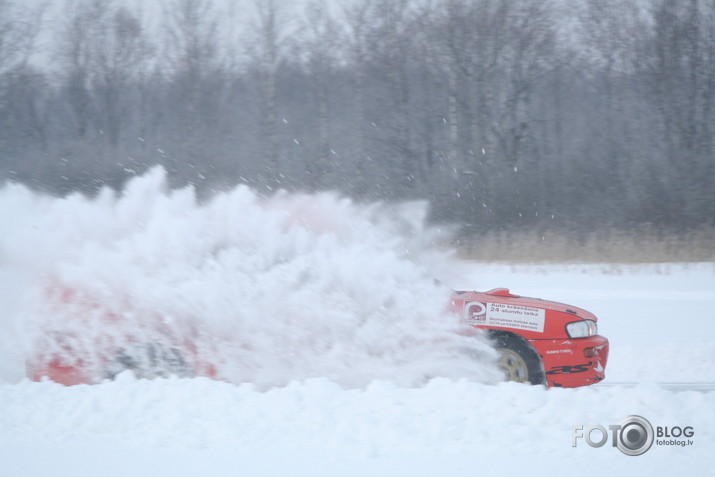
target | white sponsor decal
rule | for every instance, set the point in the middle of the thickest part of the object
(505, 316)
(557, 351)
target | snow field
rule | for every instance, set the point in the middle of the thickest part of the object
(325, 321)
(457, 426)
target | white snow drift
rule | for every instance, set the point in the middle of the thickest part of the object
(268, 290)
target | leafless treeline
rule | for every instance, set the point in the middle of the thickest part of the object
(503, 113)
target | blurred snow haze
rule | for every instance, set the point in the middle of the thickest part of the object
(267, 290)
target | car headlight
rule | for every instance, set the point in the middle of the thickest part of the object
(582, 329)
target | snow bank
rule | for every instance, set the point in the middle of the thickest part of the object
(260, 290)
(189, 426)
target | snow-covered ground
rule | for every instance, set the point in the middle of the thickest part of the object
(352, 397)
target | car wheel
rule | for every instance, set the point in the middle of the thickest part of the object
(518, 360)
(150, 361)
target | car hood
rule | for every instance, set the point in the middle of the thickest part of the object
(503, 295)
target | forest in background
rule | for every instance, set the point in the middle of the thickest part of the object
(528, 115)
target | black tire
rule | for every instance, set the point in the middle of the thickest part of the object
(518, 359)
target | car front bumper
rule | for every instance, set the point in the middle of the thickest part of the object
(575, 362)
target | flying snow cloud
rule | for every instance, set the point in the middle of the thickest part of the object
(240, 287)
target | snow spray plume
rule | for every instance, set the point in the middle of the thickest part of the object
(243, 288)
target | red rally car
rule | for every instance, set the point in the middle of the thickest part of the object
(540, 342)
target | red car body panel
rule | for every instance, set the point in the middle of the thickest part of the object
(568, 362)
(58, 372)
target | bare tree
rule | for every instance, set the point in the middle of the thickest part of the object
(192, 52)
(392, 43)
(529, 54)
(357, 20)
(681, 80)
(320, 57)
(268, 30)
(23, 93)
(76, 56)
(195, 91)
(18, 31)
(472, 38)
(485, 107)
(120, 54)
(17, 35)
